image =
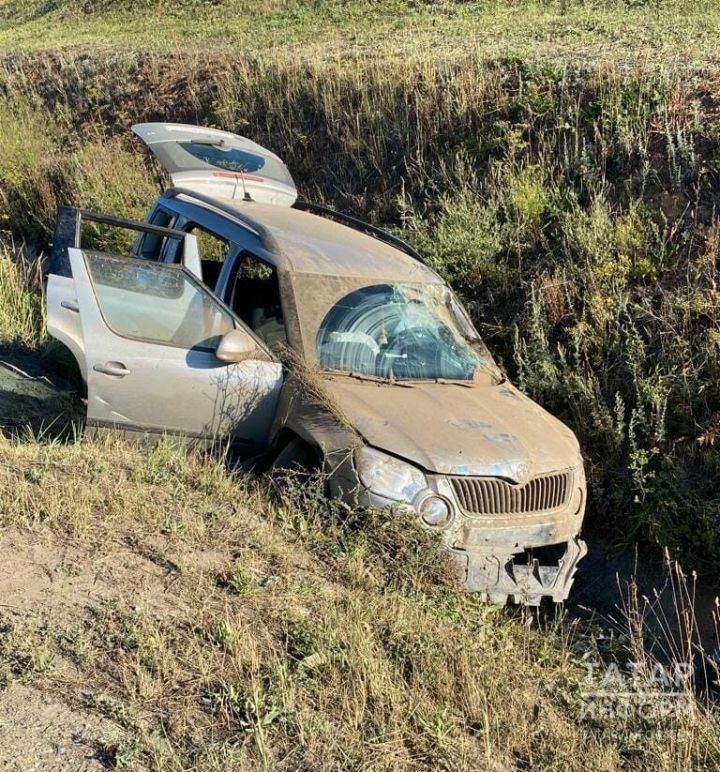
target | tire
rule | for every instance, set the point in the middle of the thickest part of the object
(296, 456)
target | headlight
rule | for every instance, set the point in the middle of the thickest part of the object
(434, 510)
(387, 476)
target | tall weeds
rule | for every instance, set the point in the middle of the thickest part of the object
(573, 209)
(22, 311)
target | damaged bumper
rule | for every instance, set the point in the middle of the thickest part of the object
(507, 557)
(507, 578)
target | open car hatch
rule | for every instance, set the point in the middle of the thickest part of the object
(217, 163)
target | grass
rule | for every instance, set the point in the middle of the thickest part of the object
(266, 632)
(572, 208)
(667, 31)
(237, 623)
(557, 162)
(22, 311)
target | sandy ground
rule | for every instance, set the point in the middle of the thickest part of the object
(58, 598)
(43, 734)
(38, 588)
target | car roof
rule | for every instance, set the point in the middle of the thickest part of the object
(302, 242)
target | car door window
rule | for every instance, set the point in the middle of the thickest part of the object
(255, 298)
(152, 244)
(156, 302)
(213, 251)
(151, 375)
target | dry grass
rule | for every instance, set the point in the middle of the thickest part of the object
(213, 623)
(219, 628)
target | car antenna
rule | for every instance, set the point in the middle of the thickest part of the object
(246, 195)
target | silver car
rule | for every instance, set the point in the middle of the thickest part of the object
(245, 315)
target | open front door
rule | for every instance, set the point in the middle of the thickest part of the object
(217, 163)
(150, 331)
(63, 312)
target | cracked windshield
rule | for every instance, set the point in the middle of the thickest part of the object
(402, 332)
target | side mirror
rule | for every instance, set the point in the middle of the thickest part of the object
(236, 346)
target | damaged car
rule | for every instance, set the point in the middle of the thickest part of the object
(245, 315)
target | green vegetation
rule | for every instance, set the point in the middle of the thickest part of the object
(22, 312)
(559, 163)
(574, 209)
(230, 627)
(667, 31)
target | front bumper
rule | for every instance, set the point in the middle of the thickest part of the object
(502, 578)
(503, 557)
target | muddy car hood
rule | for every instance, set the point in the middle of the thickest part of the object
(455, 429)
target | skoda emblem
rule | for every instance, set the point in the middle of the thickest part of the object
(522, 472)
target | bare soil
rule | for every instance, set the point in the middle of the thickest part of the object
(41, 733)
(40, 587)
(50, 591)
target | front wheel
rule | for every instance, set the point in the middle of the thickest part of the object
(296, 456)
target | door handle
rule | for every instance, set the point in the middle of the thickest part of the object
(112, 368)
(70, 305)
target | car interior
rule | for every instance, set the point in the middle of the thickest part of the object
(255, 299)
(255, 296)
(213, 251)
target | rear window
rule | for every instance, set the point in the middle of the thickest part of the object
(230, 158)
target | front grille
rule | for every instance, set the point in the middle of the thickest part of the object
(493, 496)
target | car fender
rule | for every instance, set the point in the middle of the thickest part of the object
(310, 416)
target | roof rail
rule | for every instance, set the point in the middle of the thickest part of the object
(246, 222)
(358, 225)
(268, 239)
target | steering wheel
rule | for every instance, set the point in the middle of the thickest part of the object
(409, 345)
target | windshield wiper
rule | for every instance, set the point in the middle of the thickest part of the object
(497, 378)
(409, 383)
(456, 382)
(370, 378)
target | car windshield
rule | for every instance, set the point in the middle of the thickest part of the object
(402, 332)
